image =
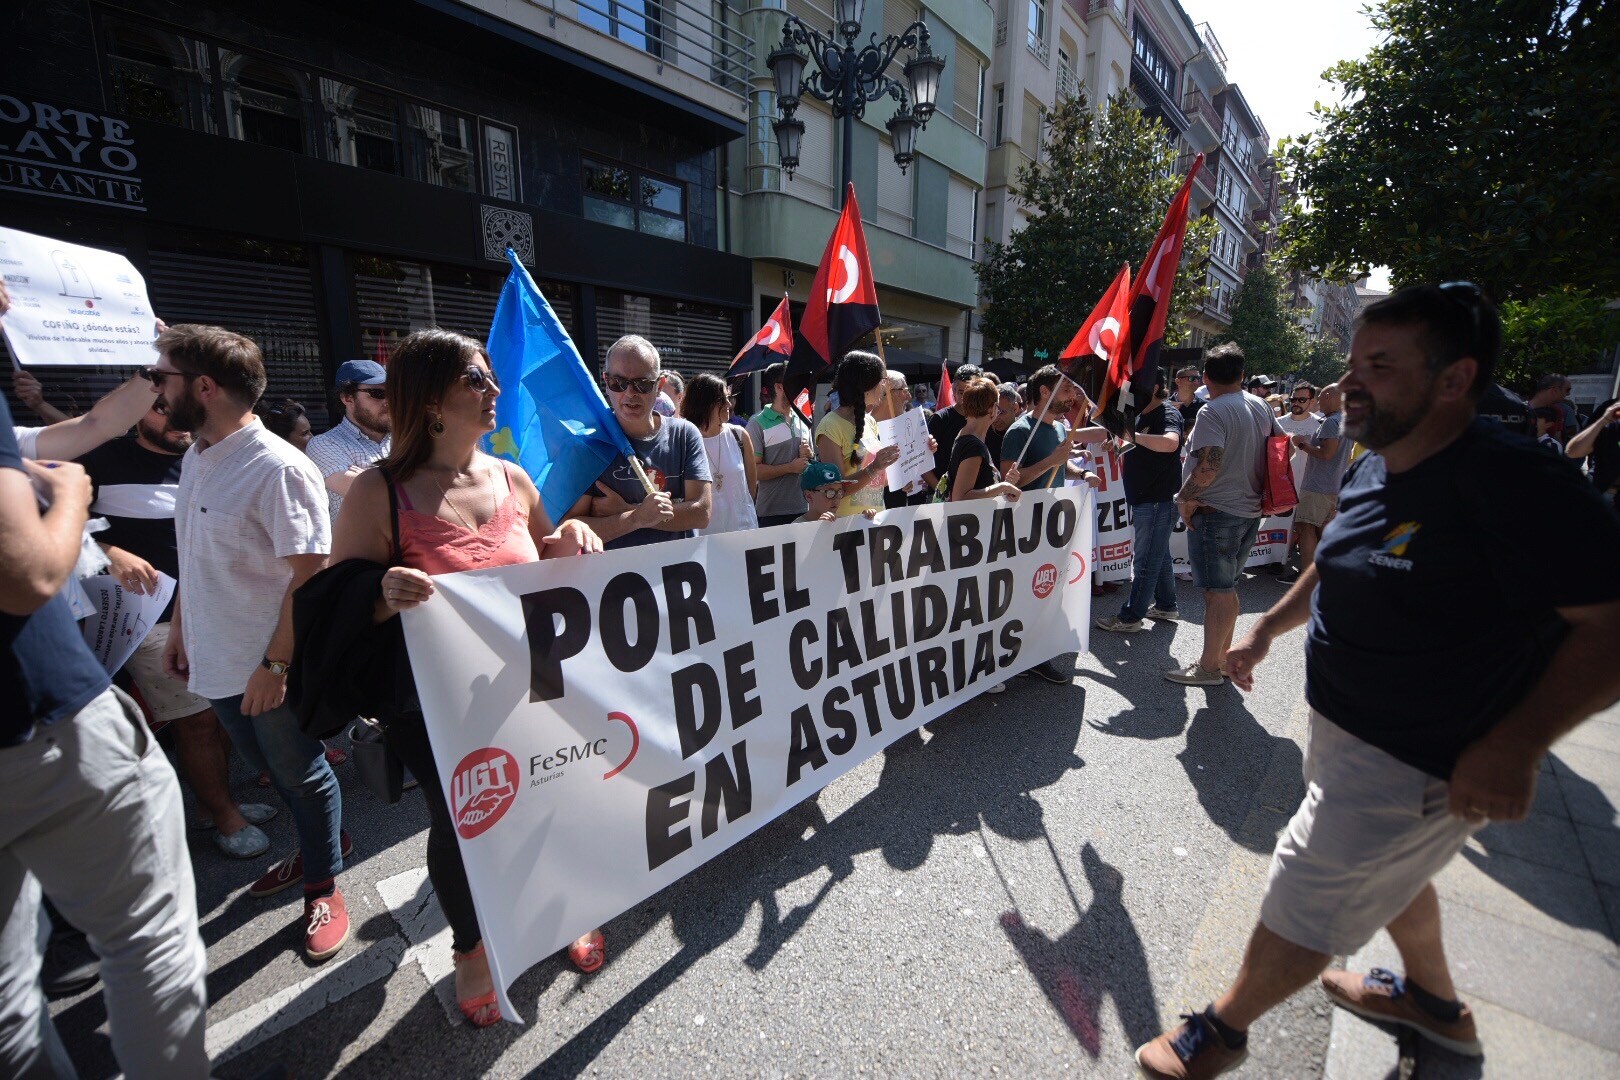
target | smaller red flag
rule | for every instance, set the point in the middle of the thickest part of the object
(802, 403)
(1106, 334)
(947, 395)
(772, 344)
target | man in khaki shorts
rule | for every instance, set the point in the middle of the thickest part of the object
(1327, 455)
(1438, 674)
(135, 482)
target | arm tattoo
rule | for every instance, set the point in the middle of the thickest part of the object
(1208, 467)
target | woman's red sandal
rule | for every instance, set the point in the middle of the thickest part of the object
(481, 1011)
(588, 953)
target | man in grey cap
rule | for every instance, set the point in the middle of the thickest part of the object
(361, 438)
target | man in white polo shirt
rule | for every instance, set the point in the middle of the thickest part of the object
(361, 438)
(252, 523)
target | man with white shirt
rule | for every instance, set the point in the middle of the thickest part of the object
(251, 518)
(361, 438)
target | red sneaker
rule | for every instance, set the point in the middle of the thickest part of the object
(290, 871)
(334, 756)
(326, 924)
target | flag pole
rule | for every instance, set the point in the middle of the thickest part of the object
(1042, 416)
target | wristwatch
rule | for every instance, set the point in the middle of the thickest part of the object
(275, 667)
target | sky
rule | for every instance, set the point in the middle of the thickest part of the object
(1276, 50)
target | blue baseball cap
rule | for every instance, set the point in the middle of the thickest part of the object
(361, 373)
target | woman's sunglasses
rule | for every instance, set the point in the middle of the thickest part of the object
(479, 382)
(619, 384)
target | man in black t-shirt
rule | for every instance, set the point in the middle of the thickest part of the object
(1438, 672)
(1152, 474)
(136, 479)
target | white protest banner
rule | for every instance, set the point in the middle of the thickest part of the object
(122, 618)
(605, 725)
(1115, 536)
(73, 304)
(909, 432)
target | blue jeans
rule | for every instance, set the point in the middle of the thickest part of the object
(1152, 571)
(1218, 544)
(273, 743)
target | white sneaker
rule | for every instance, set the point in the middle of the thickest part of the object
(1117, 624)
(996, 689)
(1193, 675)
(1163, 616)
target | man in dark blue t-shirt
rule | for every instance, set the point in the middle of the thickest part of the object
(1152, 474)
(1437, 670)
(93, 813)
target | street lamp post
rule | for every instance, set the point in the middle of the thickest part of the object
(847, 77)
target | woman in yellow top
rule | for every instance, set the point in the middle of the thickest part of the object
(847, 436)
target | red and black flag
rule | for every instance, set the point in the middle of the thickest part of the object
(773, 344)
(843, 305)
(1097, 357)
(1150, 299)
(947, 395)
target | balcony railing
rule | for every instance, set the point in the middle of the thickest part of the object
(703, 41)
(1068, 83)
(1197, 103)
(1212, 45)
(1038, 46)
(1102, 7)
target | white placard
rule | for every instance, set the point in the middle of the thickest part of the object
(604, 725)
(908, 431)
(123, 618)
(74, 305)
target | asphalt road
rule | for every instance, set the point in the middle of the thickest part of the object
(1030, 886)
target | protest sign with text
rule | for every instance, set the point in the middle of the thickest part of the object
(908, 432)
(604, 725)
(73, 304)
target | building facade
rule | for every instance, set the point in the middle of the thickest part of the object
(921, 223)
(329, 177)
(1177, 72)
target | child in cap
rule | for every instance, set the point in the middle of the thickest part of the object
(823, 486)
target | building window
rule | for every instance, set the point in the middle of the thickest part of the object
(265, 103)
(617, 195)
(1001, 111)
(1152, 58)
(1037, 30)
(157, 75)
(967, 89)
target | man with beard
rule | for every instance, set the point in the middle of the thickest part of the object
(1009, 407)
(1327, 455)
(1438, 674)
(1300, 419)
(360, 439)
(136, 480)
(252, 525)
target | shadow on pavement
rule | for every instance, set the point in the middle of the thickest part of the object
(1100, 956)
(1529, 880)
(1227, 757)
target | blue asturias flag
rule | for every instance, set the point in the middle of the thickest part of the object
(551, 418)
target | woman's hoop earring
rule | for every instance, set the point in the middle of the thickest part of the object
(436, 428)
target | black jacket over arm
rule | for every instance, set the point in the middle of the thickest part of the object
(344, 664)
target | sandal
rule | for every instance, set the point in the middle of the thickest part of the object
(481, 1011)
(589, 952)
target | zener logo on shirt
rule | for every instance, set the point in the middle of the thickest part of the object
(1395, 543)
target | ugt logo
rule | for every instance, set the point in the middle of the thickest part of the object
(1045, 581)
(482, 789)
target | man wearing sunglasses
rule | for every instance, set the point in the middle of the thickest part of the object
(669, 449)
(1438, 674)
(361, 438)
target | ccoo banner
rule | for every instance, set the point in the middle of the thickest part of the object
(1115, 543)
(606, 725)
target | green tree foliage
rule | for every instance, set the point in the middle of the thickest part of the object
(1565, 331)
(1475, 141)
(1097, 199)
(1263, 325)
(1322, 363)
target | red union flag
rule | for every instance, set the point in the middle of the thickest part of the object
(843, 304)
(1103, 338)
(772, 344)
(947, 396)
(1150, 298)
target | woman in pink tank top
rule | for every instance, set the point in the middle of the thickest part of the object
(437, 505)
